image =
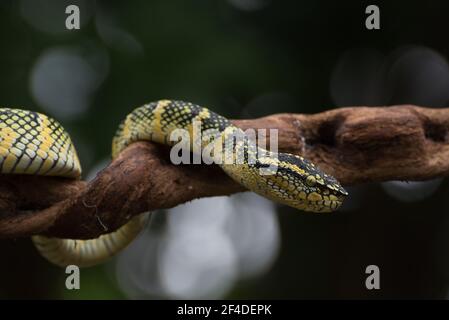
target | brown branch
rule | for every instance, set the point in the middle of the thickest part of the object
(355, 145)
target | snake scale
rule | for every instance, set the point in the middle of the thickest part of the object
(32, 143)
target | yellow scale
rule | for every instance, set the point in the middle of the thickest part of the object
(32, 143)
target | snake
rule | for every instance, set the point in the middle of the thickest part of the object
(33, 143)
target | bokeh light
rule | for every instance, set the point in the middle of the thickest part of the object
(115, 36)
(63, 80)
(418, 75)
(410, 191)
(203, 248)
(357, 79)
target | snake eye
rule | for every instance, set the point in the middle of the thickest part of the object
(310, 181)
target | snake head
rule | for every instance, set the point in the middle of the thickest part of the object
(298, 183)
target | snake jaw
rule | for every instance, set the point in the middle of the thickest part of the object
(317, 201)
(325, 196)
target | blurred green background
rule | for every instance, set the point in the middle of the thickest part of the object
(241, 58)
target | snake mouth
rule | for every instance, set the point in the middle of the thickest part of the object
(321, 205)
(334, 205)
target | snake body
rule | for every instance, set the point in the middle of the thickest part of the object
(32, 143)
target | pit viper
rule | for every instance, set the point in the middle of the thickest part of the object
(32, 143)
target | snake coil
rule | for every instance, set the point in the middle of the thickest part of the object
(32, 143)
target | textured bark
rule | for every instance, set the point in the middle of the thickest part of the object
(356, 145)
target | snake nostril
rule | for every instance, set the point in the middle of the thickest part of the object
(435, 131)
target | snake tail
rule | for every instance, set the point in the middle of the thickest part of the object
(87, 253)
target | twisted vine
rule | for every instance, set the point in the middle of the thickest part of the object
(354, 144)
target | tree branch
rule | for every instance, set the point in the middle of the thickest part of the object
(356, 145)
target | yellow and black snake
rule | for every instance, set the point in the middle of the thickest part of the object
(32, 143)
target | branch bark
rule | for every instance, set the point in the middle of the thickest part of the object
(355, 144)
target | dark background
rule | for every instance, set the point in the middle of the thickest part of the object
(241, 58)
